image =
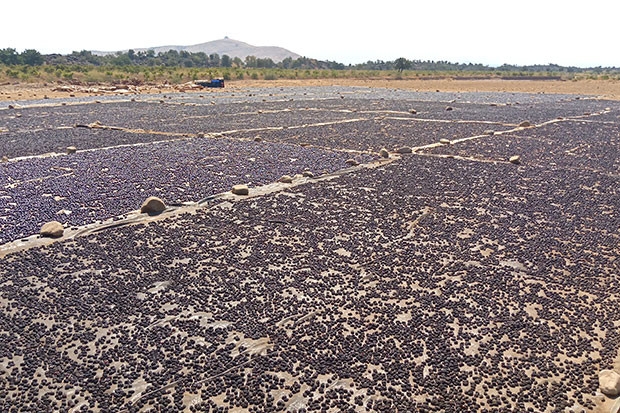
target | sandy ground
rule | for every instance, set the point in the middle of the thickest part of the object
(608, 89)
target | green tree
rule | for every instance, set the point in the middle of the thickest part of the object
(250, 61)
(237, 62)
(226, 61)
(214, 60)
(286, 63)
(402, 64)
(31, 57)
(9, 56)
(121, 59)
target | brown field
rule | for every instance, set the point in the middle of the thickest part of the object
(605, 89)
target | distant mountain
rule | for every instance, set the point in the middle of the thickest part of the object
(225, 46)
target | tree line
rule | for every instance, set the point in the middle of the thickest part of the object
(171, 58)
(175, 58)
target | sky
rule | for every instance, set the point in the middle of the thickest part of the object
(523, 32)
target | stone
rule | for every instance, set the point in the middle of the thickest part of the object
(286, 179)
(609, 383)
(52, 229)
(445, 141)
(413, 111)
(384, 153)
(200, 135)
(307, 174)
(4, 159)
(71, 149)
(516, 159)
(404, 149)
(489, 132)
(352, 162)
(152, 205)
(240, 190)
(525, 124)
(258, 139)
(11, 106)
(449, 108)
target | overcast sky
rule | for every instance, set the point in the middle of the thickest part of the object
(584, 33)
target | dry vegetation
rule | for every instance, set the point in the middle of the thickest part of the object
(37, 85)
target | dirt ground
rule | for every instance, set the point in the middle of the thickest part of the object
(607, 89)
(254, 288)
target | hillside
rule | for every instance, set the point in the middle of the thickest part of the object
(226, 46)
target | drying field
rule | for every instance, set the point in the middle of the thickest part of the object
(447, 279)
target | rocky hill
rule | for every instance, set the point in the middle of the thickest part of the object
(226, 46)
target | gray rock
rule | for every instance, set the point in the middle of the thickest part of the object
(404, 149)
(525, 124)
(352, 162)
(445, 141)
(286, 179)
(384, 153)
(413, 111)
(516, 159)
(489, 132)
(307, 174)
(152, 205)
(52, 229)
